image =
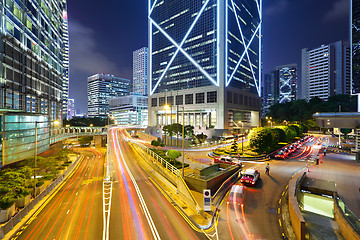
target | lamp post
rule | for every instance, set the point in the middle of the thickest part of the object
(183, 140)
(270, 123)
(35, 157)
(166, 120)
(242, 137)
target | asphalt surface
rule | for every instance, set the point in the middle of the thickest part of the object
(74, 211)
(138, 209)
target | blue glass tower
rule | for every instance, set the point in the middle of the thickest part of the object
(205, 55)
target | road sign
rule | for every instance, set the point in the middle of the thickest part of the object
(207, 200)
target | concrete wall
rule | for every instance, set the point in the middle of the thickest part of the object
(296, 218)
(6, 214)
(346, 230)
(213, 184)
(145, 136)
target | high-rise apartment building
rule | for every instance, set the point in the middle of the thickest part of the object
(205, 56)
(32, 60)
(102, 87)
(325, 71)
(355, 47)
(140, 71)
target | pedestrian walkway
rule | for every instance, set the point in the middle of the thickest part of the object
(320, 227)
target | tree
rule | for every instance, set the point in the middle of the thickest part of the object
(155, 143)
(189, 131)
(201, 137)
(261, 138)
(173, 154)
(345, 131)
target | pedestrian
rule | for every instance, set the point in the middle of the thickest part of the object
(267, 169)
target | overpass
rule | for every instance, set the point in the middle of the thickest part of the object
(340, 120)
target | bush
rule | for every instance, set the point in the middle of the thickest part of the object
(162, 145)
(155, 143)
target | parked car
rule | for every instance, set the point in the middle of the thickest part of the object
(236, 195)
(250, 176)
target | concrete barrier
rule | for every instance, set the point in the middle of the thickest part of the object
(348, 232)
(296, 218)
(6, 214)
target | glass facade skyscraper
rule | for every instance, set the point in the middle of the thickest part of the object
(65, 54)
(205, 55)
(355, 43)
(287, 83)
(102, 87)
(32, 42)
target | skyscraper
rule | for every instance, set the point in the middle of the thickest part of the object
(140, 71)
(355, 47)
(102, 87)
(325, 71)
(287, 83)
(31, 47)
(70, 109)
(65, 54)
(206, 57)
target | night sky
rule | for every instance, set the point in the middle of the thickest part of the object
(103, 35)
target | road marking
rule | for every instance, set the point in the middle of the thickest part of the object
(280, 201)
(279, 211)
(280, 222)
(76, 193)
(283, 193)
(67, 212)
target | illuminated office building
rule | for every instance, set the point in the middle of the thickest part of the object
(31, 76)
(102, 87)
(65, 53)
(287, 81)
(130, 110)
(140, 71)
(205, 56)
(325, 71)
(355, 47)
(70, 109)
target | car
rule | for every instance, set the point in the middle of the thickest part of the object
(250, 176)
(228, 160)
(281, 154)
(236, 195)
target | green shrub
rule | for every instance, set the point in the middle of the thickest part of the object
(155, 143)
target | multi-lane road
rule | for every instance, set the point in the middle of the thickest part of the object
(138, 210)
(74, 210)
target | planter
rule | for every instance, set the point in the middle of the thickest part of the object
(22, 202)
(6, 214)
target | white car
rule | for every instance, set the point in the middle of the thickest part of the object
(250, 176)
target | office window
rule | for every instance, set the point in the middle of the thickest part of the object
(241, 99)
(246, 100)
(154, 102)
(229, 97)
(236, 98)
(161, 101)
(179, 100)
(212, 97)
(189, 99)
(200, 98)
(170, 100)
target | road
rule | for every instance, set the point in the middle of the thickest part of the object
(74, 211)
(138, 209)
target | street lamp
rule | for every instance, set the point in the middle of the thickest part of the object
(270, 123)
(91, 125)
(183, 140)
(35, 157)
(166, 107)
(242, 137)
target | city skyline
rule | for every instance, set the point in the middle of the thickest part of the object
(89, 33)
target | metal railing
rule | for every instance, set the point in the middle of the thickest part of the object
(161, 160)
(9, 225)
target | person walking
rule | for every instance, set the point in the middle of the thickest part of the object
(267, 169)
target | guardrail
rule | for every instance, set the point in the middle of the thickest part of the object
(163, 162)
(222, 187)
(9, 225)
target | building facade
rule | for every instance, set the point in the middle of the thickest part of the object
(32, 56)
(325, 71)
(130, 110)
(287, 83)
(65, 54)
(355, 46)
(102, 87)
(31, 74)
(268, 93)
(140, 71)
(205, 57)
(70, 109)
